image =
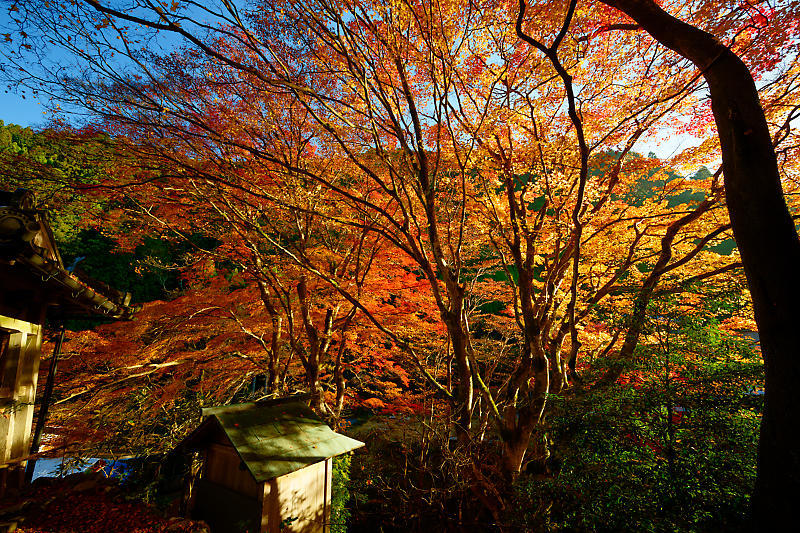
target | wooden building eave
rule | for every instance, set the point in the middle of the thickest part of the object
(31, 268)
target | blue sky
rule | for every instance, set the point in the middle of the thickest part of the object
(16, 110)
(13, 108)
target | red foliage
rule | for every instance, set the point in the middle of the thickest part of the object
(89, 504)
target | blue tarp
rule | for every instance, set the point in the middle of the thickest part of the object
(63, 467)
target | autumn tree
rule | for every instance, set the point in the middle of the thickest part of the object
(433, 113)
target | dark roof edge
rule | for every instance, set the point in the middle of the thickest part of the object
(81, 292)
(19, 246)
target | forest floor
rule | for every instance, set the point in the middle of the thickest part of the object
(86, 503)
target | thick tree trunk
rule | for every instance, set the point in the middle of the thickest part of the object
(316, 351)
(317, 395)
(341, 386)
(464, 406)
(275, 341)
(518, 426)
(559, 372)
(522, 417)
(767, 241)
(638, 316)
(338, 368)
(515, 443)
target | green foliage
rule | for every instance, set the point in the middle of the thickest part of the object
(55, 165)
(149, 272)
(670, 448)
(652, 187)
(340, 495)
(58, 166)
(97, 255)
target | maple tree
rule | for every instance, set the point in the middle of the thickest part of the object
(175, 358)
(466, 148)
(166, 364)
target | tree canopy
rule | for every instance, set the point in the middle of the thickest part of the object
(435, 206)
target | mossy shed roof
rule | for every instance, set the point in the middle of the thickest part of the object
(273, 438)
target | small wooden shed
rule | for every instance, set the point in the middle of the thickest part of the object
(265, 467)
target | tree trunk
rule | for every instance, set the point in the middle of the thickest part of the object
(558, 377)
(312, 359)
(464, 405)
(338, 369)
(317, 396)
(518, 426)
(275, 341)
(639, 312)
(515, 445)
(767, 241)
(522, 417)
(272, 365)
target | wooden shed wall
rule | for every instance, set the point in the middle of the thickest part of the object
(224, 467)
(224, 510)
(304, 495)
(19, 371)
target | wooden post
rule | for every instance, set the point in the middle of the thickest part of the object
(45, 406)
(326, 513)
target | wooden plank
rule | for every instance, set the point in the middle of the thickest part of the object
(17, 325)
(326, 515)
(18, 384)
(26, 393)
(298, 498)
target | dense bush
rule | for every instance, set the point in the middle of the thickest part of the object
(670, 447)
